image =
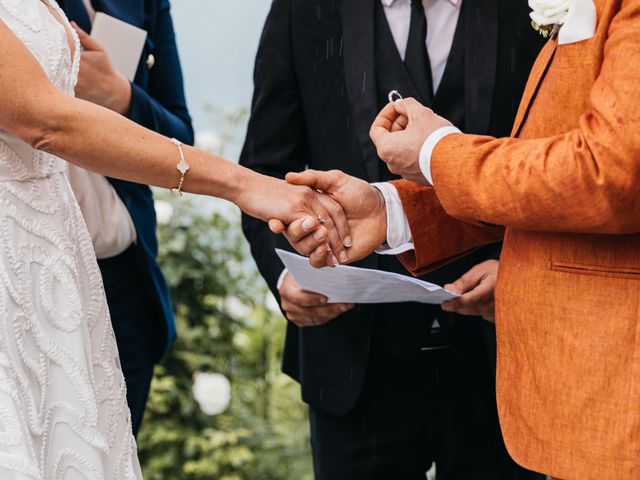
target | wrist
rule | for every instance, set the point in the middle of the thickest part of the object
(284, 276)
(122, 98)
(242, 183)
(381, 218)
(429, 145)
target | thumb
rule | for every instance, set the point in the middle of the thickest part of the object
(86, 41)
(324, 181)
(276, 226)
(466, 282)
(407, 107)
(383, 123)
(400, 124)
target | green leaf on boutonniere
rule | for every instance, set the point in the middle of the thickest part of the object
(547, 31)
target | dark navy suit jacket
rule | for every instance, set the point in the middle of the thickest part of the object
(158, 103)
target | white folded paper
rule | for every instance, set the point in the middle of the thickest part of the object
(344, 284)
(122, 41)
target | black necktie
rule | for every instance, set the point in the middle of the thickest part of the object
(417, 57)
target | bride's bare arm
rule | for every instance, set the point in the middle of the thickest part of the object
(92, 137)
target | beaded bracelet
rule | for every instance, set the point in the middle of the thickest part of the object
(182, 167)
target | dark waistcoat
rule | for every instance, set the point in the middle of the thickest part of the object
(448, 101)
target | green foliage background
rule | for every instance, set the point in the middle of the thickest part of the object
(225, 326)
(227, 323)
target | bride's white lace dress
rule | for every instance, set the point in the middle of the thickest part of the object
(63, 412)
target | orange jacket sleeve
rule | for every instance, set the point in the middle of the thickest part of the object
(437, 237)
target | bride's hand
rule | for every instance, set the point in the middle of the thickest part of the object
(320, 216)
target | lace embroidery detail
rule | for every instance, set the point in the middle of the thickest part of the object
(25, 12)
(63, 410)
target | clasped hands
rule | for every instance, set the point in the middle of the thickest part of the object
(398, 132)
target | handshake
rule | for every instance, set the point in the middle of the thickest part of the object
(353, 222)
(343, 219)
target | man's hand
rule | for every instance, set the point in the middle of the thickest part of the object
(98, 81)
(308, 309)
(477, 289)
(399, 132)
(318, 218)
(363, 205)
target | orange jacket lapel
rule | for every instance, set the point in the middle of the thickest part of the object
(535, 78)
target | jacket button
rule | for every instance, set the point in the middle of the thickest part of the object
(151, 61)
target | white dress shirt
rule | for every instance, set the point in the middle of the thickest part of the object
(442, 21)
(399, 237)
(108, 220)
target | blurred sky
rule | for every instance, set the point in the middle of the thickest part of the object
(217, 40)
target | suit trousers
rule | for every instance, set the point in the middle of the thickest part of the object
(135, 320)
(413, 412)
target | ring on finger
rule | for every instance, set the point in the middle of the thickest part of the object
(321, 220)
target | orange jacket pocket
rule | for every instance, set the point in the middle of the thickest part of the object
(599, 270)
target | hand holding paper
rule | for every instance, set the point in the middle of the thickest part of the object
(99, 81)
(306, 309)
(123, 43)
(345, 284)
(477, 292)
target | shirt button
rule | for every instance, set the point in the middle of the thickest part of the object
(151, 61)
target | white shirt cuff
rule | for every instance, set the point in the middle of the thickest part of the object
(399, 239)
(427, 149)
(281, 278)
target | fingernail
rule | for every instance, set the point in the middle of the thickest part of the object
(344, 258)
(319, 235)
(323, 300)
(348, 242)
(334, 260)
(308, 224)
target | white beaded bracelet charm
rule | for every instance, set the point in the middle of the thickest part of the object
(182, 167)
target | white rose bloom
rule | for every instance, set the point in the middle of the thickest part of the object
(212, 391)
(237, 308)
(549, 12)
(164, 211)
(241, 340)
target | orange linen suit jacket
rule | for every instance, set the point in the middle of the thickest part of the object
(567, 188)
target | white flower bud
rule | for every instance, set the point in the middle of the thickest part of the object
(212, 391)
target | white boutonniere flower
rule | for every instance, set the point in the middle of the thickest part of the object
(570, 20)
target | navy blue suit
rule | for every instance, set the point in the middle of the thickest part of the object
(137, 293)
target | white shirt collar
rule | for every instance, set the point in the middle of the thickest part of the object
(388, 3)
